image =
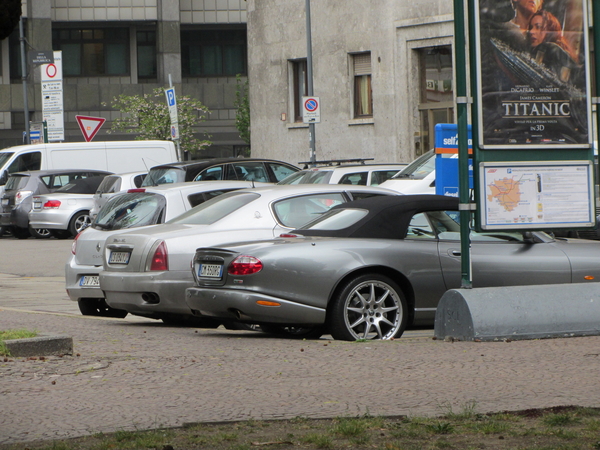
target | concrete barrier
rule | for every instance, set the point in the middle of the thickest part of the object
(519, 312)
(41, 345)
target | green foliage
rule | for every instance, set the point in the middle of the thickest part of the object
(148, 117)
(242, 103)
(10, 14)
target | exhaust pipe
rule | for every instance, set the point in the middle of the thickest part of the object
(151, 297)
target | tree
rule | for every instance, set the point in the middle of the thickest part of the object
(148, 116)
(242, 115)
(10, 14)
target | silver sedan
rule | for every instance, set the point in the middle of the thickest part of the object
(147, 271)
(369, 268)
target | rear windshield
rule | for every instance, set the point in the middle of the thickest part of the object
(215, 209)
(16, 182)
(308, 177)
(109, 185)
(131, 210)
(87, 185)
(164, 175)
(419, 168)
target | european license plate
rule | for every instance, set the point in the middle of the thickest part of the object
(89, 281)
(210, 270)
(119, 258)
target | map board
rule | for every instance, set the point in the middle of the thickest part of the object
(542, 195)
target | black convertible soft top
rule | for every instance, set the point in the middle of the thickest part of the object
(388, 215)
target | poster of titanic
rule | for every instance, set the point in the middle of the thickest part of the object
(533, 74)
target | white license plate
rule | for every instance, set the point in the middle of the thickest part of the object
(119, 258)
(89, 281)
(210, 270)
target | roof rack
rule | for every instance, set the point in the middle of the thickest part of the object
(337, 162)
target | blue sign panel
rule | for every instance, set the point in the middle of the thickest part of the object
(446, 159)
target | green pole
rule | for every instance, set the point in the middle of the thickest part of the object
(460, 48)
(596, 33)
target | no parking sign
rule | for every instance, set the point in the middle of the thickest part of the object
(312, 110)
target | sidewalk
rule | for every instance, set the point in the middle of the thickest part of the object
(140, 374)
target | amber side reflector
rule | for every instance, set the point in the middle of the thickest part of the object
(588, 277)
(266, 303)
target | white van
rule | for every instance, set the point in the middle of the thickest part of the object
(112, 156)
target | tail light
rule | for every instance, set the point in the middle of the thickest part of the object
(244, 265)
(160, 259)
(21, 195)
(52, 204)
(74, 243)
(133, 191)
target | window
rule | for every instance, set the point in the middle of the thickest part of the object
(213, 53)
(26, 161)
(300, 86)
(437, 95)
(89, 52)
(297, 211)
(14, 55)
(146, 54)
(280, 171)
(363, 94)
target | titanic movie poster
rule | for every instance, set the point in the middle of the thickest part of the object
(533, 73)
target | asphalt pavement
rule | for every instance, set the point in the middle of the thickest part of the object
(135, 373)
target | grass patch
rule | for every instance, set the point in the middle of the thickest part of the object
(565, 428)
(13, 334)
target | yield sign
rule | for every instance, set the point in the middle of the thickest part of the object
(89, 126)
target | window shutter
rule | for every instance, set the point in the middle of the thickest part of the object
(362, 64)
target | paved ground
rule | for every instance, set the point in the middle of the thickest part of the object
(138, 374)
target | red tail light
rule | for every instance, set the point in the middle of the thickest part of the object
(74, 244)
(160, 259)
(52, 204)
(244, 265)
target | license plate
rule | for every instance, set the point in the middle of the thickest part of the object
(90, 281)
(210, 271)
(119, 258)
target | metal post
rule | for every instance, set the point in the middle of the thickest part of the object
(596, 33)
(177, 146)
(460, 48)
(309, 70)
(24, 75)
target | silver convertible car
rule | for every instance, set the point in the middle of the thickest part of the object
(367, 269)
(146, 271)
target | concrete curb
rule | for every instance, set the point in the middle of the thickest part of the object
(42, 345)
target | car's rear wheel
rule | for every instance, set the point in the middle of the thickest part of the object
(370, 306)
(80, 222)
(40, 233)
(20, 233)
(294, 332)
(98, 307)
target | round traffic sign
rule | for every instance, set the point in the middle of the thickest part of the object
(51, 70)
(311, 104)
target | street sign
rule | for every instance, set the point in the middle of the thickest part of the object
(40, 57)
(89, 126)
(311, 110)
(172, 105)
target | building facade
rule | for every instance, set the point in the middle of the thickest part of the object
(383, 72)
(130, 47)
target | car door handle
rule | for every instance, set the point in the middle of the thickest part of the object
(452, 252)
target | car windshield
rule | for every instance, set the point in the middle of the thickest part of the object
(164, 175)
(16, 182)
(308, 177)
(5, 156)
(131, 210)
(419, 168)
(337, 219)
(110, 184)
(215, 209)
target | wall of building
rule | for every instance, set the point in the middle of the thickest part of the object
(389, 29)
(92, 95)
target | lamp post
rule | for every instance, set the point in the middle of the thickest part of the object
(309, 75)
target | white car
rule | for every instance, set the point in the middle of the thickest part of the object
(338, 173)
(136, 208)
(147, 271)
(417, 178)
(113, 184)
